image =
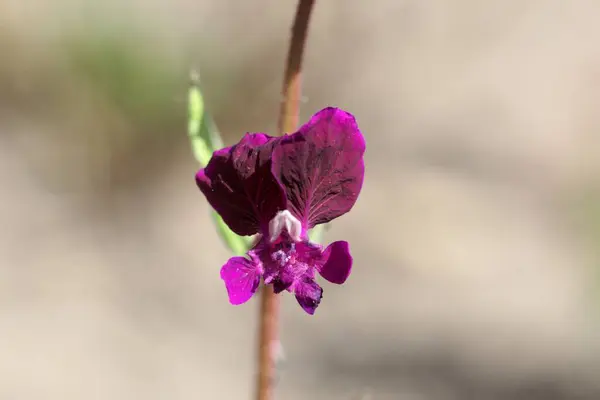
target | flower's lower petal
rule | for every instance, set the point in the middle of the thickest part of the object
(242, 278)
(282, 283)
(280, 277)
(308, 294)
(308, 252)
(337, 262)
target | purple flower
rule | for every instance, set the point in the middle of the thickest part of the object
(280, 187)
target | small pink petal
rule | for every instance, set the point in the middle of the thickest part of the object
(337, 262)
(242, 278)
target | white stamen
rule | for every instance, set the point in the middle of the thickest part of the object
(285, 219)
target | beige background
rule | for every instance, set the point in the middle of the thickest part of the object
(474, 239)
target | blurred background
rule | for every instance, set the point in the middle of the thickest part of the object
(476, 239)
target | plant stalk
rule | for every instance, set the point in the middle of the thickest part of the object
(288, 122)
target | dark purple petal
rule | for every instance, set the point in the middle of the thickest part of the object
(308, 294)
(337, 262)
(321, 166)
(242, 278)
(239, 185)
(282, 282)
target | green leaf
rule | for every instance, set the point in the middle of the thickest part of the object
(316, 234)
(205, 139)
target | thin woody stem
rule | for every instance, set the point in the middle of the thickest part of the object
(288, 122)
(291, 92)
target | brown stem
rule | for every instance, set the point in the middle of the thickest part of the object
(290, 107)
(288, 122)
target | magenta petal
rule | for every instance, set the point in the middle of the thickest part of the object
(239, 185)
(321, 166)
(308, 294)
(337, 262)
(242, 278)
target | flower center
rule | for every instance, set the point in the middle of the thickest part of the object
(289, 262)
(285, 257)
(285, 219)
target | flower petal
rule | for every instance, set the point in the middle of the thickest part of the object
(239, 185)
(308, 294)
(321, 166)
(337, 262)
(282, 282)
(242, 278)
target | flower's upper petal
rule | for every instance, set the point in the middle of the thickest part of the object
(337, 262)
(242, 278)
(239, 185)
(308, 294)
(321, 166)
